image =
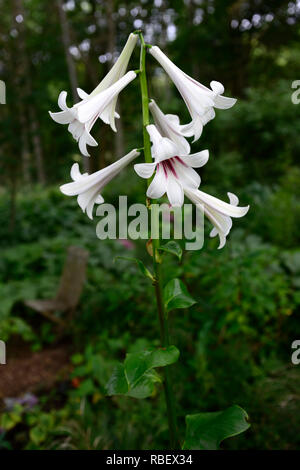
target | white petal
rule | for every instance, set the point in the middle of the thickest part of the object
(174, 191)
(194, 128)
(158, 185)
(97, 103)
(169, 126)
(222, 102)
(84, 198)
(155, 136)
(196, 160)
(62, 117)
(88, 199)
(62, 101)
(221, 206)
(82, 94)
(119, 67)
(100, 178)
(76, 129)
(208, 116)
(117, 72)
(82, 143)
(173, 118)
(99, 199)
(214, 232)
(75, 172)
(144, 170)
(187, 176)
(222, 225)
(162, 147)
(234, 200)
(198, 98)
(217, 87)
(90, 139)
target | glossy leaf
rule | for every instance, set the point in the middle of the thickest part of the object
(173, 248)
(205, 431)
(140, 264)
(136, 377)
(176, 295)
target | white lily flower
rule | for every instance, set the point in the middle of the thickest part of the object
(199, 99)
(217, 211)
(115, 73)
(82, 116)
(173, 170)
(169, 126)
(88, 187)
(104, 107)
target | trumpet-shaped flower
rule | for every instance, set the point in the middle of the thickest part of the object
(82, 116)
(173, 170)
(169, 126)
(115, 73)
(102, 101)
(217, 211)
(88, 187)
(199, 99)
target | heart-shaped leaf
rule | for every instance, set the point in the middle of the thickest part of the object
(176, 296)
(136, 377)
(205, 431)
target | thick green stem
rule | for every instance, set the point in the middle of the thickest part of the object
(163, 321)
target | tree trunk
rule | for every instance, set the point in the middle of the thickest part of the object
(66, 39)
(37, 147)
(22, 85)
(111, 47)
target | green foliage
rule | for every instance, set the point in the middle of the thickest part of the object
(177, 296)
(10, 419)
(173, 248)
(205, 431)
(140, 264)
(136, 377)
(235, 341)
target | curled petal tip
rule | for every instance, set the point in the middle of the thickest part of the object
(246, 209)
(217, 87)
(63, 190)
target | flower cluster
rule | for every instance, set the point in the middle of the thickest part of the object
(172, 170)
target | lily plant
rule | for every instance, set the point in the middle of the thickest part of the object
(169, 168)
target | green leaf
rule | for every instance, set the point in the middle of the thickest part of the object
(77, 359)
(117, 384)
(173, 248)
(136, 377)
(140, 264)
(205, 431)
(86, 387)
(177, 296)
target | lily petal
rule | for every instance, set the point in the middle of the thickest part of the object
(157, 187)
(145, 170)
(174, 191)
(199, 99)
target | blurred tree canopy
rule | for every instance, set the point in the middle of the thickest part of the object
(250, 46)
(236, 341)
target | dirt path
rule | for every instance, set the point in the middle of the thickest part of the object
(34, 371)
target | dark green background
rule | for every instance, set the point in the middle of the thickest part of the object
(236, 341)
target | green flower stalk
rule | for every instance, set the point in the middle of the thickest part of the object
(169, 168)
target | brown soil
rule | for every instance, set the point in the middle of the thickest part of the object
(34, 371)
